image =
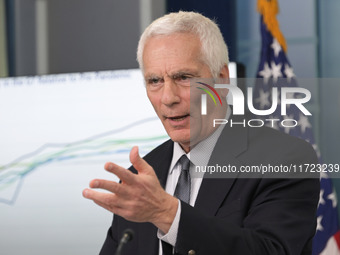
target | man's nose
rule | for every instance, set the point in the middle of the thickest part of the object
(171, 93)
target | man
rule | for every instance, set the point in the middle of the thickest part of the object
(219, 215)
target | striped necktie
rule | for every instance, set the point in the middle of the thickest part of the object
(183, 187)
(182, 192)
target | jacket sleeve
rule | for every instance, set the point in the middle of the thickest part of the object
(280, 220)
(111, 242)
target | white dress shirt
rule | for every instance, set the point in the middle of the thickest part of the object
(199, 156)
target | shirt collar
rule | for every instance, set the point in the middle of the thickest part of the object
(201, 153)
(177, 154)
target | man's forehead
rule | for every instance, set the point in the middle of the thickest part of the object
(178, 55)
(161, 42)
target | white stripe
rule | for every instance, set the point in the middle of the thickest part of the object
(331, 248)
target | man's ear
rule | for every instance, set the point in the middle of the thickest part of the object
(224, 79)
(224, 73)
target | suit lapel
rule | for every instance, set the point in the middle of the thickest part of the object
(148, 242)
(162, 161)
(213, 191)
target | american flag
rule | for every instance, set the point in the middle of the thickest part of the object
(275, 71)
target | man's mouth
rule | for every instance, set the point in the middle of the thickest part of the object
(178, 118)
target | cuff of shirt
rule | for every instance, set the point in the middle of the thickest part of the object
(171, 236)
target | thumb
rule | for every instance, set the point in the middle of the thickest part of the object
(138, 163)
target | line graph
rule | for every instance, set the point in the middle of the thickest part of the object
(56, 133)
(85, 149)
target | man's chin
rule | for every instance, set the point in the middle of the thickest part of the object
(180, 136)
(186, 136)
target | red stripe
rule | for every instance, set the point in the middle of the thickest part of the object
(337, 238)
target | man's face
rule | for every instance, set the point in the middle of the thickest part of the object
(169, 64)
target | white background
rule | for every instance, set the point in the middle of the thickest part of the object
(43, 211)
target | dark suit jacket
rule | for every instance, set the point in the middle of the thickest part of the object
(237, 215)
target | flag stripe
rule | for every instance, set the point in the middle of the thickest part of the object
(337, 238)
(273, 67)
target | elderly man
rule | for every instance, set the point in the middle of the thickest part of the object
(170, 211)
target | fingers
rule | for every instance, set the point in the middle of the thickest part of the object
(106, 200)
(115, 209)
(139, 164)
(122, 173)
(111, 186)
(134, 198)
(99, 197)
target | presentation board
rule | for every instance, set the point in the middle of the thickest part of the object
(56, 133)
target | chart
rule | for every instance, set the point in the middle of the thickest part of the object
(56, 133)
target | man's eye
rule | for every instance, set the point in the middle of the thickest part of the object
(183, 77)
(153, 81)
(183, 80)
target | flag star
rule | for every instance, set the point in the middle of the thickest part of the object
(266, 73)
(276, 70)
(289, 72)
(319, 225)
(291, 123)
(333, 198)
(276, 47)
(263, 99)
(316, 148)
(304, 123)
(321, 200)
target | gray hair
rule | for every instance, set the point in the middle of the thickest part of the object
(213, 48)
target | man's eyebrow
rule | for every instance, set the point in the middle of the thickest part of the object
(181, 73)
(151, 76)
